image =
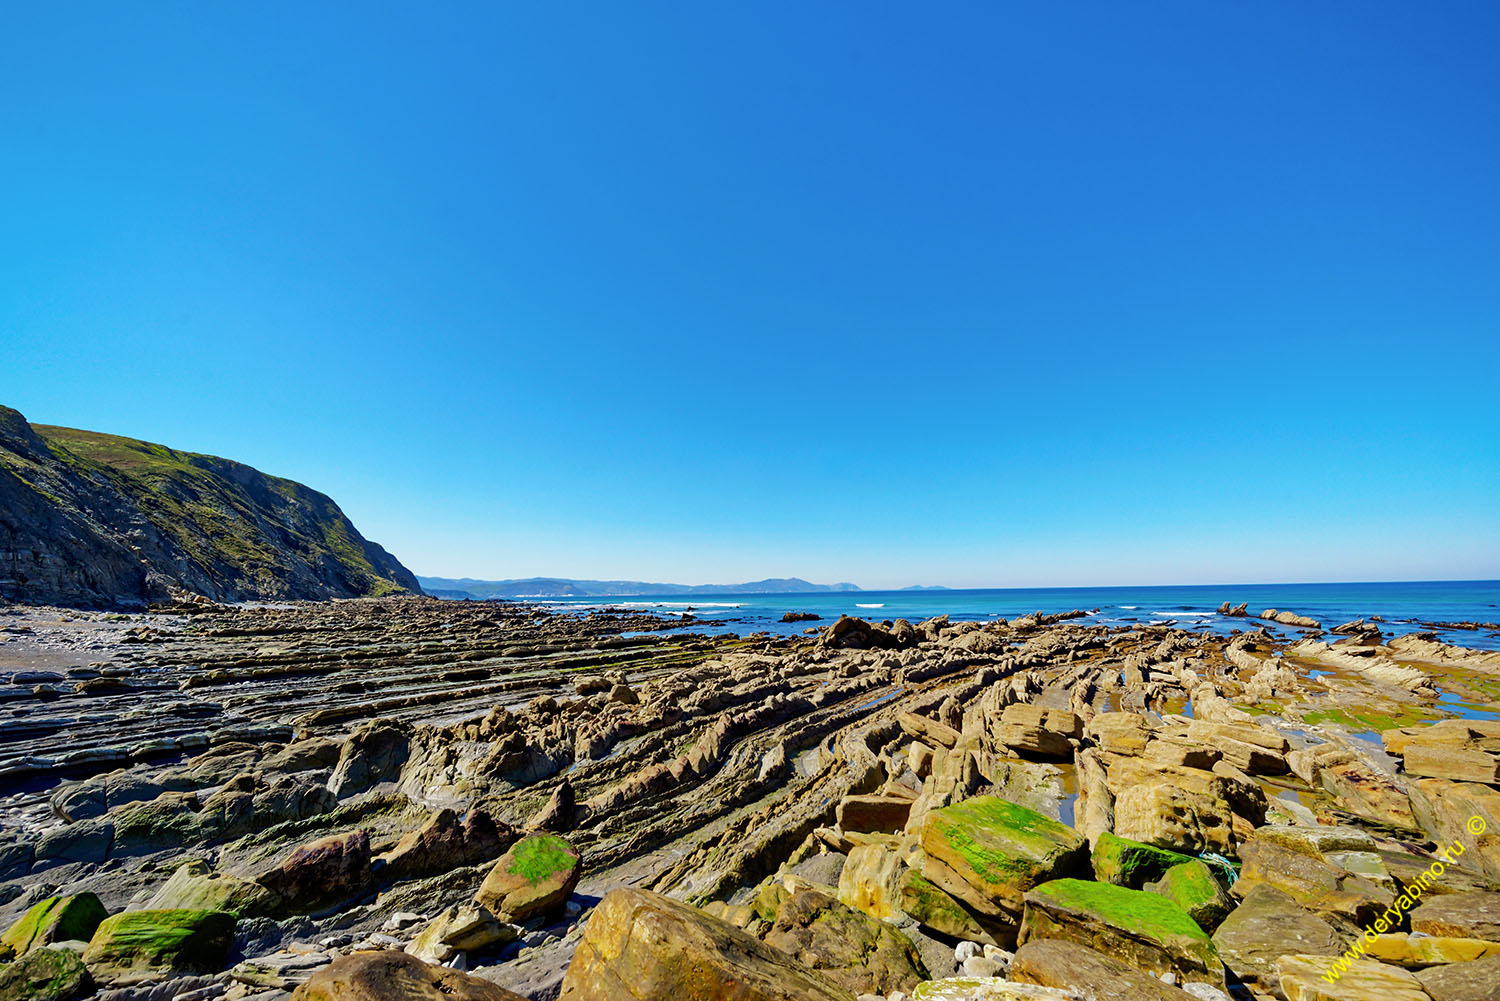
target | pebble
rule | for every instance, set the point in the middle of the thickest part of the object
(964, 950)
(1169, 978)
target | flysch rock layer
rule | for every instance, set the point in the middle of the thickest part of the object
(491, 800)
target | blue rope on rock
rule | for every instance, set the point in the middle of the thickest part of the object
(1223, 863)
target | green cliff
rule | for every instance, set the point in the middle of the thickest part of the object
(98, 520)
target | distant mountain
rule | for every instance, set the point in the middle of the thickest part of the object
(561, 587)
(96, 520)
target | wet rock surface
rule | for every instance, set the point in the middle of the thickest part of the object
(410, 796)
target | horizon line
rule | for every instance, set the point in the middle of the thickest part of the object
(945, 587)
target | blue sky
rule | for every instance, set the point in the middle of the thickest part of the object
(981, 294)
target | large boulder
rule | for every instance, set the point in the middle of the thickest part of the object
(847, 947)
(1125, 862)
(1315, 978)
(1460, 915)
(373, 754)
(1348, 899)
(1444, 810)
(1193, 886)
(1475, 980)
(987, 989)
(926, 903)
(988, 852)
(870, 881)
(194, 886)
(45, 974)
(56, 919)
(1267, 925)
(1418, 951)
(1172, 817)
(136, 946)
(322, 872)
(390, 975)
(445, 841)
(1033, 730)
(873, 813)
(1066, 965)
(1141, 928)
(532, 880)
(639, 945)
(460, 929)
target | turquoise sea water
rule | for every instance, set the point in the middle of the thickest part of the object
(1405, 606)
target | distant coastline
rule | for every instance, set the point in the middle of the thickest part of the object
(560, 587)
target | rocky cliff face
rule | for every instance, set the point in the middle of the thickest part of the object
(97, 520)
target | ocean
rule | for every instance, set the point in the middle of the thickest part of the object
(1406, 606)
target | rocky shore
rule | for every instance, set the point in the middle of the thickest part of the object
(344, 801)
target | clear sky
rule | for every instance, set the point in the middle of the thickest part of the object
(975, 294)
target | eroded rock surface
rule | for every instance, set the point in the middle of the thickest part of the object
(1022, 809)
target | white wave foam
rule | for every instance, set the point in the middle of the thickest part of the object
(878, 604)
(679, 604)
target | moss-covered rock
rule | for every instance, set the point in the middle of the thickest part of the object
(1193, 887)
(56, 919)
(928, 905)
(44, 974)
(532, 880)
(1143, 929)
(196, 887)
(1124, 862)
(769, 897)
(136, 946)
(997, 850)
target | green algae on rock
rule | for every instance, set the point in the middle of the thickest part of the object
(532, 880)
(999, 849)
(56, 919)
(196, 887)
(928, 905)
(1136, 926)
(135, 946)
(44, 974)
(1131, 863)
(1193, 887)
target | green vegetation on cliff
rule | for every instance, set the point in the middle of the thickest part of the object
(94, 518)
